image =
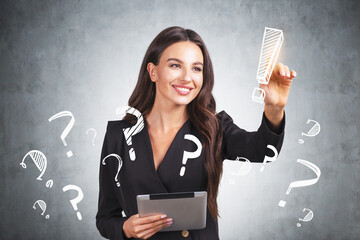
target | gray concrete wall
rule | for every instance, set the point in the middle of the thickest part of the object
(84, 57)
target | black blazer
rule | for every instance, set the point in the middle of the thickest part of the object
(117, 199)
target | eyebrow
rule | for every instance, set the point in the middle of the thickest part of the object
(178, 60)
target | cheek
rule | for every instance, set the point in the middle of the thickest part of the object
(163, 79)
(169, 76)
(199, 82)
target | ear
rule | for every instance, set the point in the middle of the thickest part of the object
(152, 71)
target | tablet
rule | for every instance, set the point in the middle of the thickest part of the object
(187, 209)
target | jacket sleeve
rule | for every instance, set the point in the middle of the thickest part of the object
(252, 145)
(109, 219)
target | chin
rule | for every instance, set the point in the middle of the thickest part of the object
(183, 102)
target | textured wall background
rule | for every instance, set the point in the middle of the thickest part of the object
(84, 57)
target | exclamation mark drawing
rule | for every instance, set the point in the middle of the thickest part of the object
(271, 44)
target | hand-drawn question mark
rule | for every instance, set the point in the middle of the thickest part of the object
(119, 166)
(190, 155)
(131, 131)
(40, 161)
(307, 218)
(269, 159)
(303, 183)
(270, 49)
(315, 130)
(76, 200)
(244, 169)
(92, 129)
(49, 183)
(42, 206)
(68, 127)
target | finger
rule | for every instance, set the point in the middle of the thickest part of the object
(280, 69)
(287, 71)
(154, 224)
(293, 73)
(152, 218)
(141, 228)
(155, 230)
(263, 87)
(152, 231)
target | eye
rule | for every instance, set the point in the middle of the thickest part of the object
(175, 65)
(197, 69)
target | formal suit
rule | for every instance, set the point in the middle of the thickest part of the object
(140, 177)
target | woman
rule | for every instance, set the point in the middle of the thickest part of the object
(173, 93)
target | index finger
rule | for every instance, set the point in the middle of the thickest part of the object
(279, 69)
(152, 218)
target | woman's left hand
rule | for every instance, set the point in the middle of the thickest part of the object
(277, 92)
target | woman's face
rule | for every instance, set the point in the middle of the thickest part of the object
(179, 74)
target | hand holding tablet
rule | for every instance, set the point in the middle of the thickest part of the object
(145, 227)
(187, 210)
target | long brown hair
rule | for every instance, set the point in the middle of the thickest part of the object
(201, 110)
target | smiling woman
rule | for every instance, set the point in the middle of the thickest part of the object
(179, 71)
(174, 94)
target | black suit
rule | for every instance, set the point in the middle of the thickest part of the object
(140, 177)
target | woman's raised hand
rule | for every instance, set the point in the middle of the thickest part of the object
(277, 92)
(145, 227)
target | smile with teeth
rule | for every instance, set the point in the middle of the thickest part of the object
(182, 90)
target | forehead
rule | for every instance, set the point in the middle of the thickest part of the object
(185, 51)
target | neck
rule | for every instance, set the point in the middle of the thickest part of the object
(166, 117)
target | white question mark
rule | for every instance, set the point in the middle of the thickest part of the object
(49, 183)
(315, 130)
(131, 131)
(244, 168)
(40, 162)
(92, 129)
(42, 206)
(39, 159)
(307, 218)
(303, 183)
(68, 127)
(269, 159)
(119, 166)
(190, 155)
(76, 200)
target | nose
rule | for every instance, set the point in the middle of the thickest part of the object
(186, 75)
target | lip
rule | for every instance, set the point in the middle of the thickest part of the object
(182, 92)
